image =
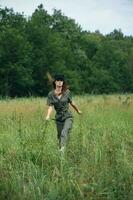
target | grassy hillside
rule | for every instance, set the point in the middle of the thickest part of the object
(98, 162)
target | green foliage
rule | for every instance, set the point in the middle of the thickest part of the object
(15, 63)
(91, 62)
(101, 81)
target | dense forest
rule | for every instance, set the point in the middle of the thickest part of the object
(32, 46)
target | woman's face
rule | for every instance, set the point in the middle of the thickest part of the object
(59, 83)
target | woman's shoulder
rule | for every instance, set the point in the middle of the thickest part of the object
(51, 93)
(68, 91)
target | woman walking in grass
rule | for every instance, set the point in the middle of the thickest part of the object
(60, 97)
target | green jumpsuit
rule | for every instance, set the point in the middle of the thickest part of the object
(64, 117)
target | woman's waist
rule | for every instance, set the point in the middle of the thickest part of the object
(63, 116)
(63, 113)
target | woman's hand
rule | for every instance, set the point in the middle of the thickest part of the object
(49, 113)
(47, 118)
(76, 108)
(80, 112)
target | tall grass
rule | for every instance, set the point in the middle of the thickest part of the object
(98, 162)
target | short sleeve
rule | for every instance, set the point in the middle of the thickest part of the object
(49, 100)
(69, 97)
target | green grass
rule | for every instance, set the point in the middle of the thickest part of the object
(98, 162)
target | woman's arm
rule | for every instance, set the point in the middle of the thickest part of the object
(75, 107)
(50, 108)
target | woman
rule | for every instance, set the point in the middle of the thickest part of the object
(60, 97)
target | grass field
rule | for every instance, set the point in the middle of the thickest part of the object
(98, 162)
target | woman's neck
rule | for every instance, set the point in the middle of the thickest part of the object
(58, 89)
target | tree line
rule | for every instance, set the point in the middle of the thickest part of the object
(32, 46)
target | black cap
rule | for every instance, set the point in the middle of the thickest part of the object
(59, 77)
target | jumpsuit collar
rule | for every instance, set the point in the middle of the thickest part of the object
(57, 96)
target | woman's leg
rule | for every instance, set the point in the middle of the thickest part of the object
(59, 126)
(65, 131)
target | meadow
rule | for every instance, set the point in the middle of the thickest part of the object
(98, 161)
